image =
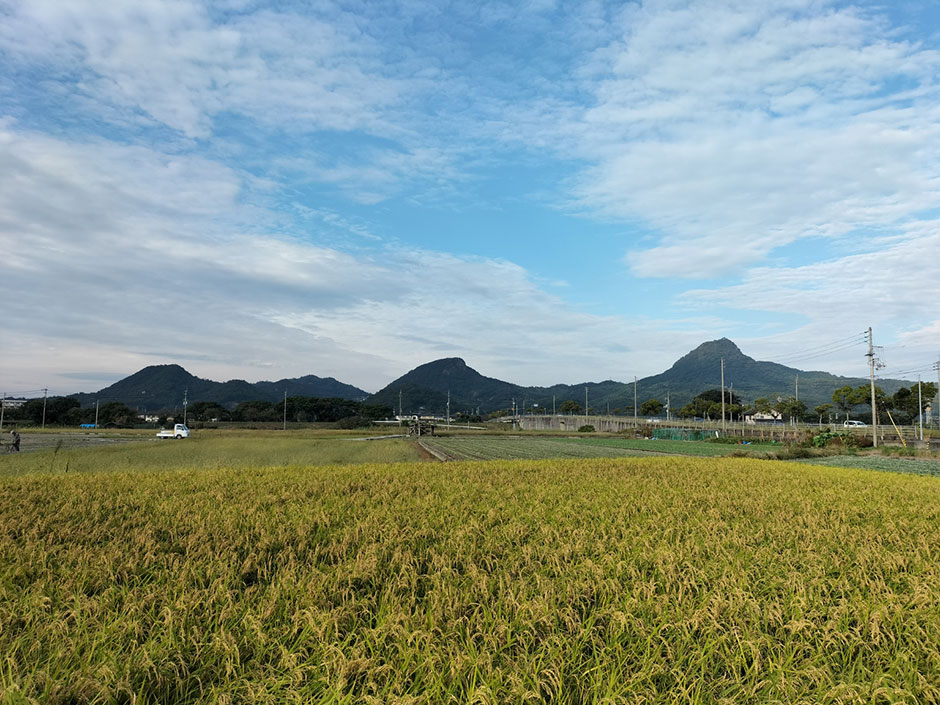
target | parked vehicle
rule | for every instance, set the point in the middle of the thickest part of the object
(854, 424)
(178, 431)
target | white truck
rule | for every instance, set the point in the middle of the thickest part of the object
(178, 431)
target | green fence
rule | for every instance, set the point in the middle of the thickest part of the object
(681, 434)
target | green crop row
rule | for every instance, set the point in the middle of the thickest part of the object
(515, 448)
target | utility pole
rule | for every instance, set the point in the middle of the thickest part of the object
(285, 410)
(634, 403)
(96, 414)
(553, 404)
(585, 401)
(797, 387)
(722, 394)
(185, 403)
(667, 404)
(45, 393)
(3, 407)
(448, 408)
(937, 368)
(871, 373)
(399, 405)
(920, 410)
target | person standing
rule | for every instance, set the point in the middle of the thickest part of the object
(15, 446)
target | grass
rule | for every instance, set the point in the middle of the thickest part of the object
(654, 580)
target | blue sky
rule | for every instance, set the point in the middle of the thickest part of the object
(556, 192)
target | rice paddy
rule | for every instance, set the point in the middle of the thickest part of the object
(652, 580)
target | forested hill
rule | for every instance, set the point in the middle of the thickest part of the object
(425, 388)
(700, 369)
(163, 386)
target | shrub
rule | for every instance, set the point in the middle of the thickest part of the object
(587, 428)
(728, 440)
(904, 451)
(836, 438)
(350, 422)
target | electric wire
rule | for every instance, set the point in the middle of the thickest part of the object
(821, 350)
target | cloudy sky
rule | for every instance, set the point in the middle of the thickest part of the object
(556, 192)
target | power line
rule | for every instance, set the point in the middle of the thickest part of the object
(903, 373)
(821, 349)
(22, 394)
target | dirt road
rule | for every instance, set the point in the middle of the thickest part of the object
(67, 440)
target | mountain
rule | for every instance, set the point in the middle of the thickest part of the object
(424, 389)
(162, 387)
(748, 378)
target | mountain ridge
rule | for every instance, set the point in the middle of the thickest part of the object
(425, 389)
(157, 387)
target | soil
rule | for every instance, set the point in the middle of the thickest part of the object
(66, 440)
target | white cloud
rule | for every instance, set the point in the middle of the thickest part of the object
(893, 289)
(718, 130)
(171, 61)
(728, 129)
(126, 265)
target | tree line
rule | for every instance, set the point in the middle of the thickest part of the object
(903, 405)
(297, 409)
(66, 411)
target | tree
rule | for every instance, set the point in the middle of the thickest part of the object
(570, 407)
(862, 394)
(822, 410)
(791, 408)
(207, 411)
(714, 395)
(844, 399)
(905, 401)
(255, 411)
(762, 405)
(57, 410)
(116, 413)
(651, 407)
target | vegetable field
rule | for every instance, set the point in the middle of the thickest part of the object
(653, 580)
(915, 466)
(531, 448)
(534, 447)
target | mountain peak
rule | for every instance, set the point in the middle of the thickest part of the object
(705, 360)
(723, 347)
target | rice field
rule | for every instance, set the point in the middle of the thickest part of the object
(652, 580)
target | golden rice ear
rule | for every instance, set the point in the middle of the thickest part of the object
(304, 566)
